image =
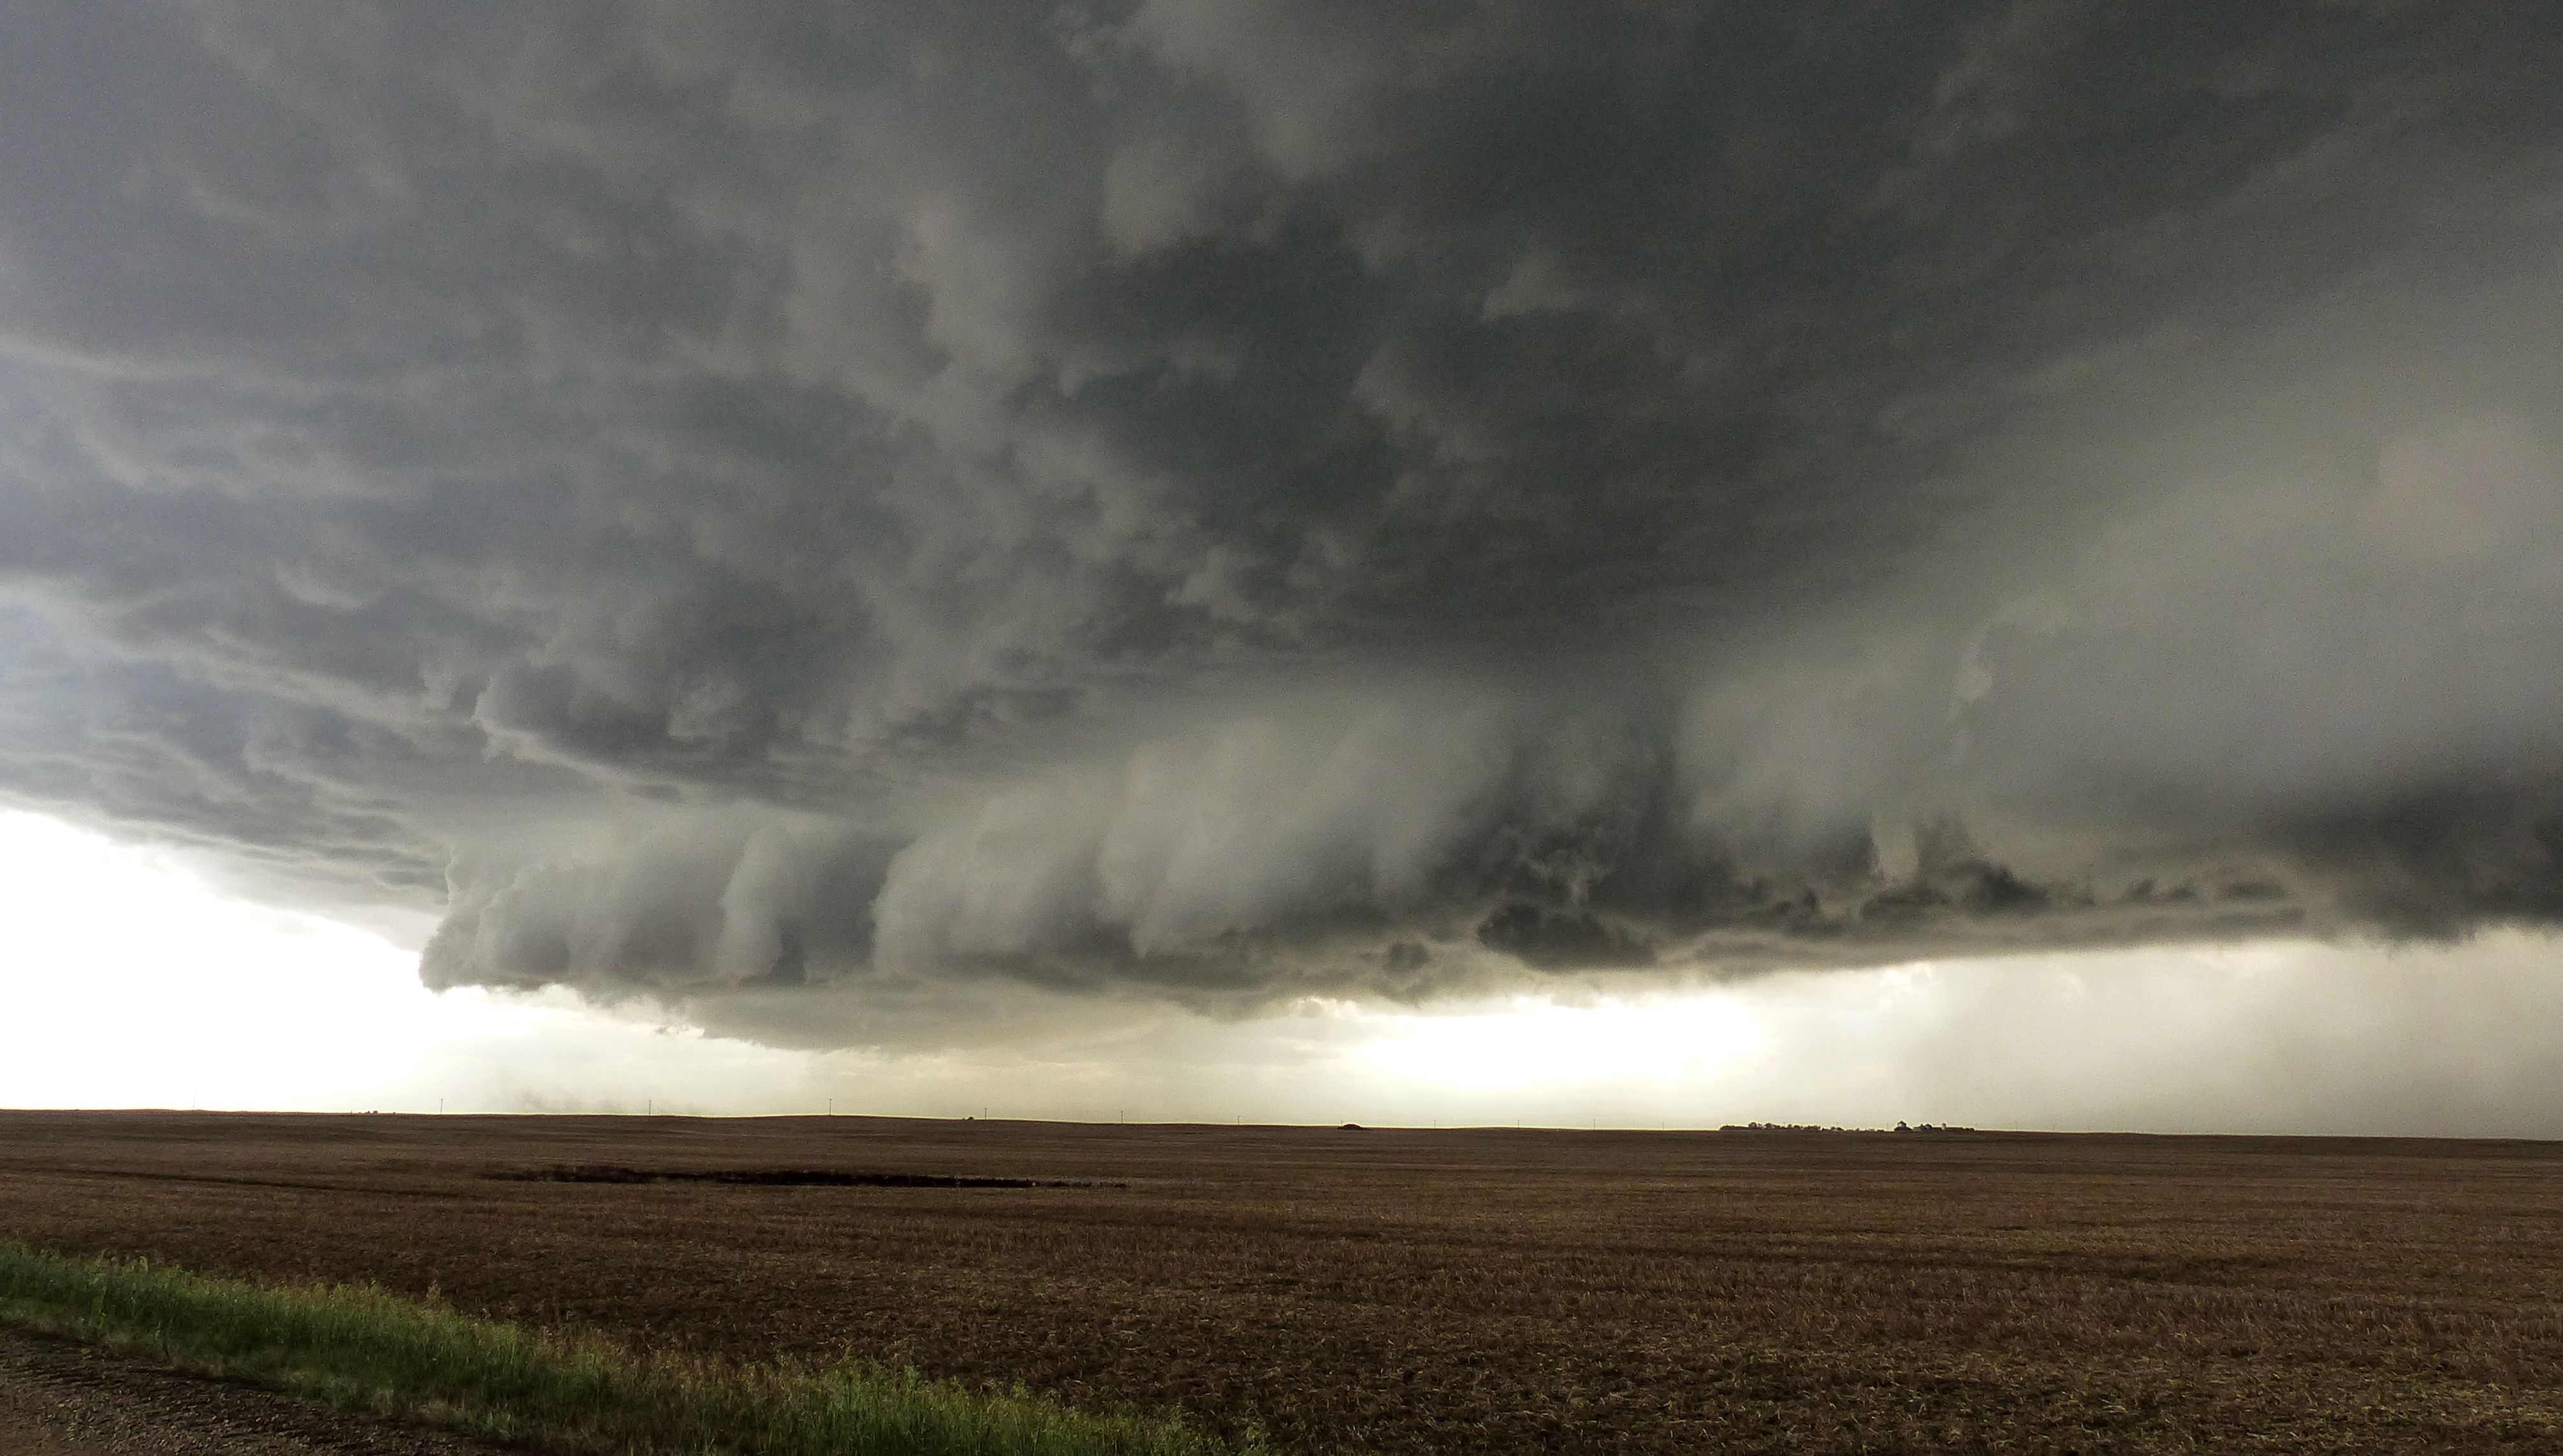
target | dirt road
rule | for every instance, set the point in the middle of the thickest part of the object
(58, 1399)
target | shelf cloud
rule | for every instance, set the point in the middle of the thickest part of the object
(865, 519)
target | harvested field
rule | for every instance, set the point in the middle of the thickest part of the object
(1489, 1290)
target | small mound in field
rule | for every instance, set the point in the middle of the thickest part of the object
(792, 1177)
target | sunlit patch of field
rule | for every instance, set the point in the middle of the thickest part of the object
(1475, 1290)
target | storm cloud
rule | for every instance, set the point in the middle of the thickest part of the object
(862, 517)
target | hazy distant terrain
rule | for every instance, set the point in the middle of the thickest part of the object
(1487, 1290)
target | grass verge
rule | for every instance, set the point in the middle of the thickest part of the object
(358, 1347)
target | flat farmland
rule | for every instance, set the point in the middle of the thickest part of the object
(1464, 1291)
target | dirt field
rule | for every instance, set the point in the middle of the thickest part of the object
(1474, 1291)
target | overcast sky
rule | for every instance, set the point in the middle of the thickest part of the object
(943, 533)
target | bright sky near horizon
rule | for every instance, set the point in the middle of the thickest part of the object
(189, 997)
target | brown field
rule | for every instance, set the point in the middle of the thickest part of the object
(1474, 1291)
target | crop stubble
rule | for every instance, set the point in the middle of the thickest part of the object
(1479, 1290)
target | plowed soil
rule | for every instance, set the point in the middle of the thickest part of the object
(1453, 1291)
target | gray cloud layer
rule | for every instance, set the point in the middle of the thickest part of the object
(854, 514)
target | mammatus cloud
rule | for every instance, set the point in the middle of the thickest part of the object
(869, 518)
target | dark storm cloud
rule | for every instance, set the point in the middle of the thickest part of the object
(844, 511)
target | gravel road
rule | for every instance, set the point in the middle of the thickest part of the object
(59, 1399)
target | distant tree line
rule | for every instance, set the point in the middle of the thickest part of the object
(1901, 1127)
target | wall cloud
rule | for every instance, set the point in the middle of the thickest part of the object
(867, 520)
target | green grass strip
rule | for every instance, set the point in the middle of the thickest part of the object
(361, 1348)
